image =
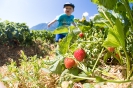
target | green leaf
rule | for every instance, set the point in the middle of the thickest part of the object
(95, 1)
(60, 30)
(116, 37)
(87, 85)
(112, 17)
(72, 28)
(6, 79)
(50, 62)
(74, 71)
(120, 7)
(82, 74)
(84, 28)
(73, 47)
(109, 4)
(64, 44)
(131, 1)
(106, 56)
(46, 70)
(111, 40)
(120, 32)
(118, 59)
(100, 79)
(56, 67)
(98, 19)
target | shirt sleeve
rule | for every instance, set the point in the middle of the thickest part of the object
(72, 18)
(59, 17)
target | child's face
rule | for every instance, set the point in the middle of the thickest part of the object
(68, 10)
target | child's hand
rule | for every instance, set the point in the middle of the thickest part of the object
(76, 31)
(49, 25)
(52, 22)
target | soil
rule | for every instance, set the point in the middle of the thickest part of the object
(8, 53)
(13, 53)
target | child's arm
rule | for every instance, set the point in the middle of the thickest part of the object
(52, 22)
(74, 24)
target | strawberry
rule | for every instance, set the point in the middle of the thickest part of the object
(111, 49)
(69, 63)
(81, 35)
(117, 56)
(79, 54)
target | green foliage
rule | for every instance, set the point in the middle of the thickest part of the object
(119, 15)
(110, 28)
(27, 75)
(116, 37)
(62, 29)
(64, 44)
(15, 34)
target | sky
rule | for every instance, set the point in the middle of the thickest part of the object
(33, 12)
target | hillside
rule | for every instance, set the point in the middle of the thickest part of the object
(43, 26)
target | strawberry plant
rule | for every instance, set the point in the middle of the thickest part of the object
(16, 34)
(107, 38)
(119, 23)
(85, 56)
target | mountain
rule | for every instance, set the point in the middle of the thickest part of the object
(43, 26)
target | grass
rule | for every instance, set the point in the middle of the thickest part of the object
(28, 75)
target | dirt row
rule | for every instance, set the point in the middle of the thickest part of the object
(13, 53)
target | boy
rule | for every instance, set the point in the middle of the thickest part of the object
(65, 19)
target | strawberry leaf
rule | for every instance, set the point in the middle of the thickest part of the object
(56, 67)
(64, 44)
(120, 7)
(84, 28)
(131, 1)
(87, 85)
(74, 71)
(106, 56)
(100, 79)
(116, 37)
(59, 30)
(73, 47)
(109, 4)
(95, 1)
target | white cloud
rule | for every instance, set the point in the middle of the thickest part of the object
(92, 17)
(85, 14)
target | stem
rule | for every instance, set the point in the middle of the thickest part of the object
(128, 64)
(88, 78)
(97, 61)
(126, 4)
(94, 79)
(121, 61)
(123, 81)
(107, 18)
(89, 41)
(106, 24)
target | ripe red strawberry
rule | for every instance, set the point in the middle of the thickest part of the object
(81, 35)
(111, 49)
(79, 54)
(69, 63)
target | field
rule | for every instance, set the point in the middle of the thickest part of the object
(99, 55)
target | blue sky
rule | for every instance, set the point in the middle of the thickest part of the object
(34, 12)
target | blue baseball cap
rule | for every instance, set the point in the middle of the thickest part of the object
(69, 4)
